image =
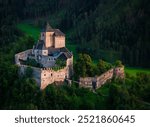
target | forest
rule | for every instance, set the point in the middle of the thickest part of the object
(107, 30)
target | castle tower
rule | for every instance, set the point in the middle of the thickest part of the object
(52, 37)
(47, 36)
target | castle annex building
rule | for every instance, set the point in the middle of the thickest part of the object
(49, 59)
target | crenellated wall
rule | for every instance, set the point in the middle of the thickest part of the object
(98, 81)
(45, 76)
(49, 76)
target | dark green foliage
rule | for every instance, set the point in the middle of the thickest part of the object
(60, 63)
(118, 63)
(132, 94)
(85, 67)
(32, 62)
(102, 66)
(106, 30)
(28, 72)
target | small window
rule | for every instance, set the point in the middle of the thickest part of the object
(44, 74)
(43, 35)
(51, 74)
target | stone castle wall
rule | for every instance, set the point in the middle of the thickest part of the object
(49, 76)
(45, 76)
(98, 81)
(22, 55)
(36, 73)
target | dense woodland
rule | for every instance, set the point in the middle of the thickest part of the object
(120, 27)
(115, 27)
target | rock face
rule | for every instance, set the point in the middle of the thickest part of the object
(98, 81)
(49, 49)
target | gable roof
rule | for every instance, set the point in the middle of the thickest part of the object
(57, 32)
(48, 28)
(62, 56)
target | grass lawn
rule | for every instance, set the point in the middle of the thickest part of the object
(132, 71)
(29, 30)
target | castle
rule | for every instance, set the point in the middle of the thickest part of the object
(49, 59)
(51, 62)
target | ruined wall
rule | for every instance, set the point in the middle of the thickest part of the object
(98, 81)
(69, 64)
(22, 55)
(119, 72)
(86, 82)
(102, 79)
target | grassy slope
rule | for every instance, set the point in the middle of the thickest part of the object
(34, 31)
(132, 71)
(30, 30)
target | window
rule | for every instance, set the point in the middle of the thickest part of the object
(43, 34)
(44, 74)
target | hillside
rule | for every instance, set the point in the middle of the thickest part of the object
(108, 30)
(34, 32)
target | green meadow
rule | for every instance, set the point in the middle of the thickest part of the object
(133, 71)
(29, 30)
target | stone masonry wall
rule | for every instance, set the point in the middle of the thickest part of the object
(36, 73)
(22, 55)
(47, 76)
(98, 81)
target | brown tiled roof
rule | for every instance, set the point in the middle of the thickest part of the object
(57, 32)
(48, 28)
